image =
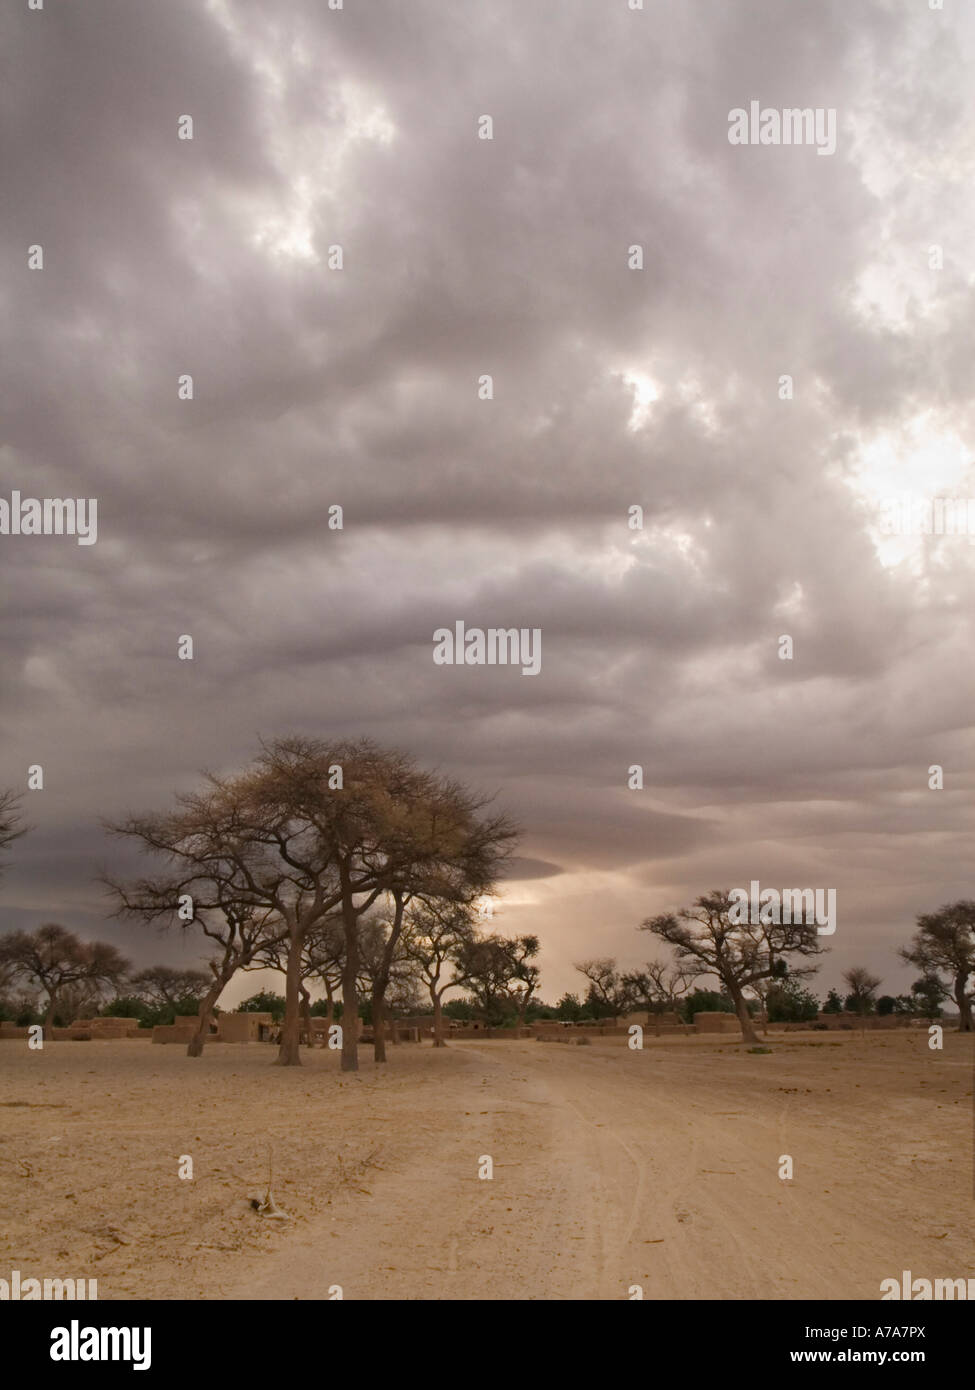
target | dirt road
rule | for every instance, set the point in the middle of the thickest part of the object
(660, 1169)
(611, 1169)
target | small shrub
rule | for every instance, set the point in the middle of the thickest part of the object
(759, 1049)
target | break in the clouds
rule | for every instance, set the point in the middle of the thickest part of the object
(611, 387)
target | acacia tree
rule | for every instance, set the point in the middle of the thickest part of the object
(11, 822)
(325, 955)
(450, 854)
(660, 987)
(356, 822)
(11, 828)
(430, 840)
(740, 954)
(239, 931)
(160, 986)
(435, 937)
(609, 987)
(348, 821)
(501, 974)
(387, 974)
(525, 974)
(926, 997)
(321, 959)
(250, 859)
(405, 991)
(380, 961)
(310, 830)
(945, 945)
(862, 988)
(484, 964)
(216, 881)
(80, 1000)
(19, 1008)
(55, 959)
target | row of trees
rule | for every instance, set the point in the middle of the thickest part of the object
(347, 867)
(762, 966)
(613, 993)
(80, 979)
(287, 863)
(407, 963)
(332, 862)
(765, 960)
(437, 950)
(927, 995)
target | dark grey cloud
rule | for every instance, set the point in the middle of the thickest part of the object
(357, 387)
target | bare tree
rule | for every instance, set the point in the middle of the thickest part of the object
(483, 962)
(11, 822)
(161, 986)
(82, 1000)
(435, 936)
(453, 854)
(216, 882)
(609, 987)
(390, 829)
(525, 974)
(501, 974)
(405, 994)
(19, 1005)
(54, 959)
(380, 962)
(247, 867)
(387, 973)
(660, 988)
(313, 829)
(325, 957)
(738, 953)
(945, 945)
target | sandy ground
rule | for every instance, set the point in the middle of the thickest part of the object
(611, 1168)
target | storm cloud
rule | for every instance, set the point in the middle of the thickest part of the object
(613, 387)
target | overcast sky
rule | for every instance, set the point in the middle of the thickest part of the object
(613, 387)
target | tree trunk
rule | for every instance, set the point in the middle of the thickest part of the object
(289, 1051)
(964, 1004)
(195, 1046)
(381, 982)
(350, 1022)
(350, 982)
(438, 1037)
(748, 1033)
(306, 1014)
(52, 1006)
(379, 1020)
